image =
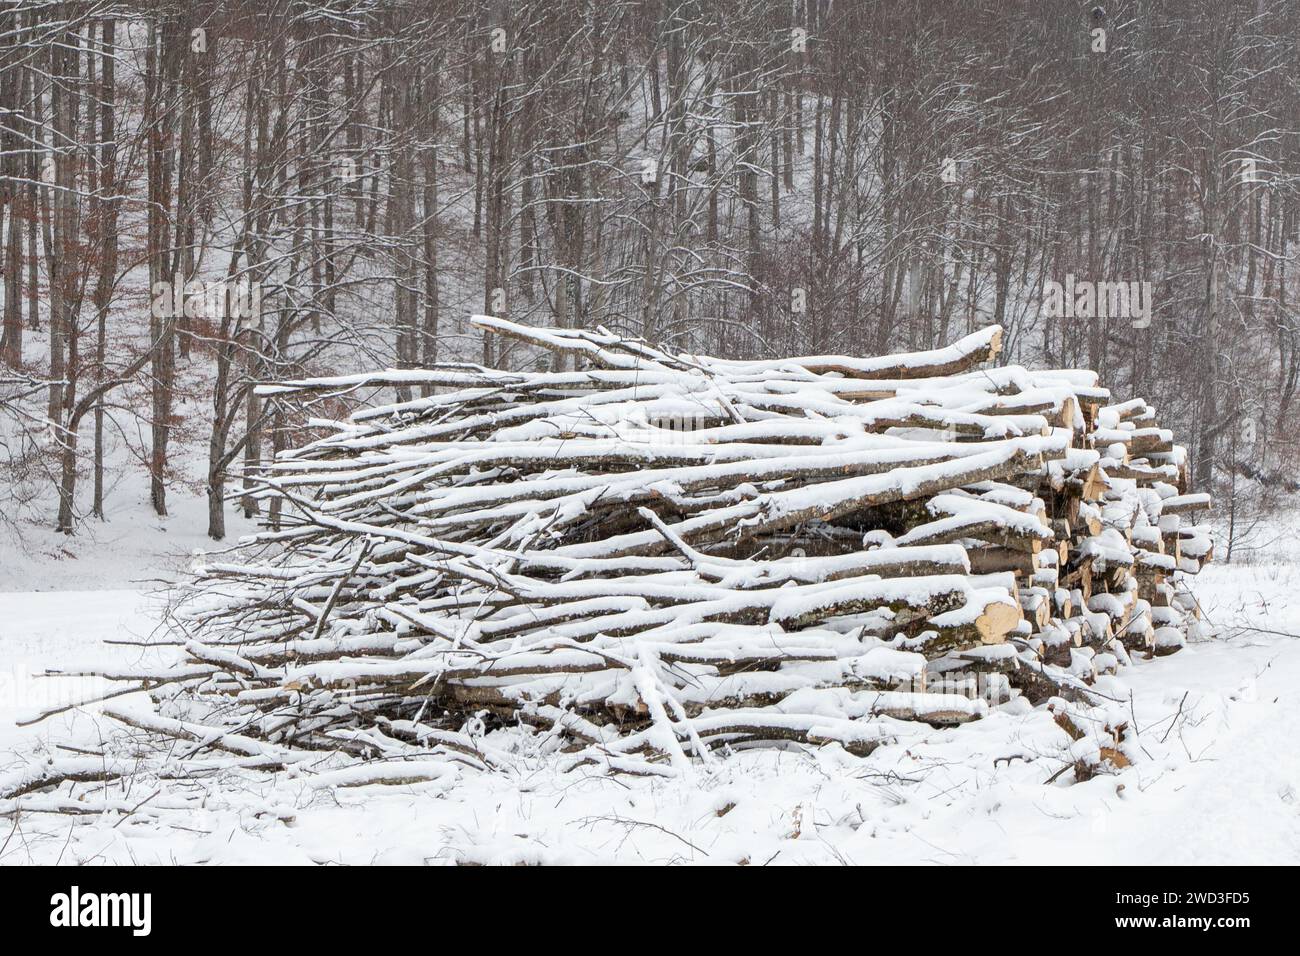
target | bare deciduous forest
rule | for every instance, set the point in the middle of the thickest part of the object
(198, 197)
(650, 431)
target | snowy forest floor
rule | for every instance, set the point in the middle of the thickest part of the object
(1221, 783)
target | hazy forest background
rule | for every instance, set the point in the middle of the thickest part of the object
(730, 177)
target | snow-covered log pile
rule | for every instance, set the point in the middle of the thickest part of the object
(658, 555)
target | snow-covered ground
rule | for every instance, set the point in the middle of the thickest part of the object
(1219, 781)
(133, 548)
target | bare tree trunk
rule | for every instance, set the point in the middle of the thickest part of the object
(66, 63)
(429, 200)
(13, 83)
(162, 63)
(108, 228)
(774, 117)
(33, 196)
(47, 164)
(495, 292)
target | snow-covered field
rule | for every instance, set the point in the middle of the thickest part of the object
(1219, 781)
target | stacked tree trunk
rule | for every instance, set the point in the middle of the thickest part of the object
(657, 555)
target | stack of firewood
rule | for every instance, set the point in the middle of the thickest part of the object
(655, 556)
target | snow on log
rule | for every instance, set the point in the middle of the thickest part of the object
(657, 555)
